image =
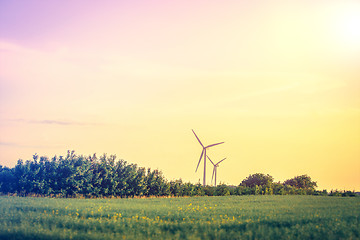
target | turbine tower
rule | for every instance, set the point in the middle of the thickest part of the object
(215, 168)
(204, 153)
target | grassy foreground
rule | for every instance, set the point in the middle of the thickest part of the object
(233, 217)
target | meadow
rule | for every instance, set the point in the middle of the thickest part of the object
(230, 217)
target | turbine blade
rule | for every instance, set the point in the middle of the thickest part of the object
(199, 160)
(214, 144)
(220, 161)
(210, 160)
(197, 138)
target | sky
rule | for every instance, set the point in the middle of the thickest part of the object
(277, 81)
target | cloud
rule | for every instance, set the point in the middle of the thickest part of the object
(18, 145)
(8, 144)
(262, 92)
(272, 90)
(55, 122)
(52, 122)
(6, 46)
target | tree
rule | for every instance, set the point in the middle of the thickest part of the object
(175, 187)
(76, 175)
(156, 184)
(257, 179)
(7, 180)
(303, 181)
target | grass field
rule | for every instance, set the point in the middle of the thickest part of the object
(232, 217)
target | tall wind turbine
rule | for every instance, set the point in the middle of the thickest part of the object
(215, 168)
(204, 153)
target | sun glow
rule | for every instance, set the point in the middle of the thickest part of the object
(348, 28)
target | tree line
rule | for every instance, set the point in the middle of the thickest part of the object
(89, 176)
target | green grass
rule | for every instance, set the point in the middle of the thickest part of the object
(233, 217)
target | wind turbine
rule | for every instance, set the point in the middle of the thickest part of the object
(204, 153)
(215, 168)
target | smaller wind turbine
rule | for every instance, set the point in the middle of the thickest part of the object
(215, 168)
(204, 153)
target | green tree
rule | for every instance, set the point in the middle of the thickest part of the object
(303, 181)
(175, 187)
(156, 184)
(7, 180)
(257, 179)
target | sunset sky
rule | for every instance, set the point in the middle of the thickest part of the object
(278, 81)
